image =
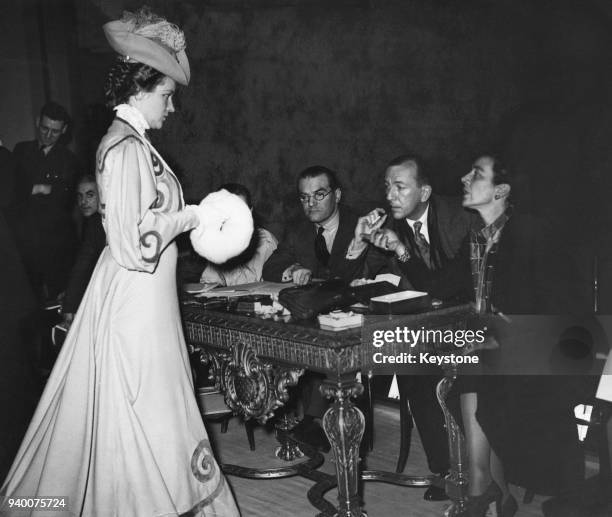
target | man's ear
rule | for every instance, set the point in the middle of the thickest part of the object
(338, 194)
(64, 127)
(425, 193)
(37, 123)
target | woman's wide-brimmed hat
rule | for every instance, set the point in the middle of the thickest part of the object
(151, 40)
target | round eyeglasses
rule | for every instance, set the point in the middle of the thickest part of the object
(319, 195)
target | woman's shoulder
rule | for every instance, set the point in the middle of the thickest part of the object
(119, 132)
(118, 138)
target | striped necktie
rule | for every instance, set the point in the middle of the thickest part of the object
(422, 244)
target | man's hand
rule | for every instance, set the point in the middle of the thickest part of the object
(368, 224)
(301, 276)
(387, 239)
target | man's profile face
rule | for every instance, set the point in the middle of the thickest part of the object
(406, 198)
(87, 198)
(48, 131)
(318, 211)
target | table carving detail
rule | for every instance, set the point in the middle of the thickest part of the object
(252, 388)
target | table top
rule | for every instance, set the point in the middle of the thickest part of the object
(303, 343)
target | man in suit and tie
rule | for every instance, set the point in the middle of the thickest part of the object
(316, 247)
(423, 234)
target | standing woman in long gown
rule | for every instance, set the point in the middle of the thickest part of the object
(117, 429)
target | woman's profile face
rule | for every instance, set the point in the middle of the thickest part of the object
(478, 186)
(156, 104)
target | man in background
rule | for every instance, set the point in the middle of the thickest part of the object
(45, 173)
(92, 242)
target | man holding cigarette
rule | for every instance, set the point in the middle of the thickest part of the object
(424, 232)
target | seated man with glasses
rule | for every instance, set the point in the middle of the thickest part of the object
(317, 246)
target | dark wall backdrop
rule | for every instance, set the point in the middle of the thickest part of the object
(278, 85)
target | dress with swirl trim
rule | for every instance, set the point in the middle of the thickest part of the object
(117, 429)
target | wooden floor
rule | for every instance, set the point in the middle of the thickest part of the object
(287, 497)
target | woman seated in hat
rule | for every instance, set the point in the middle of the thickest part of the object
(117, 429)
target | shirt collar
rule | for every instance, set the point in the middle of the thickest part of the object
(133, 117)
(422, 220)
(331, 224)
(492, 231)
(45, 149)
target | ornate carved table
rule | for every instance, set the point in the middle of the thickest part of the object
(254, 361)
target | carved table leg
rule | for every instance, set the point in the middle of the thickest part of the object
(288, 450)
(456, 481)
(344, 424)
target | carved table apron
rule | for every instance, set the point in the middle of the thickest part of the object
(254, 361)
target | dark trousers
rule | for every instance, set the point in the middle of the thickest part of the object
(420, 392)
(315, 405)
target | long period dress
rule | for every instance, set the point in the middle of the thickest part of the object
(117, 429)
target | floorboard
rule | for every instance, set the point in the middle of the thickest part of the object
(287, 497)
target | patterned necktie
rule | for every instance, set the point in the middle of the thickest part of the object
(422, 244)
(321, 248)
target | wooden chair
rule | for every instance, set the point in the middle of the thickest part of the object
(213, 409)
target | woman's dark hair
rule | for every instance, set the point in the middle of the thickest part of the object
(126, 78)
(501, 173)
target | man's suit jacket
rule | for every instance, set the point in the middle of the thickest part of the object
(7, 177)
(298, 246)
(448, 225)
(43, 225)
(57, 168)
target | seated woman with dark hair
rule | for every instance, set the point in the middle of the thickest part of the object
(518, 427)
(246, 267)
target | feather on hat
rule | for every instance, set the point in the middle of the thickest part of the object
(151, 40)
